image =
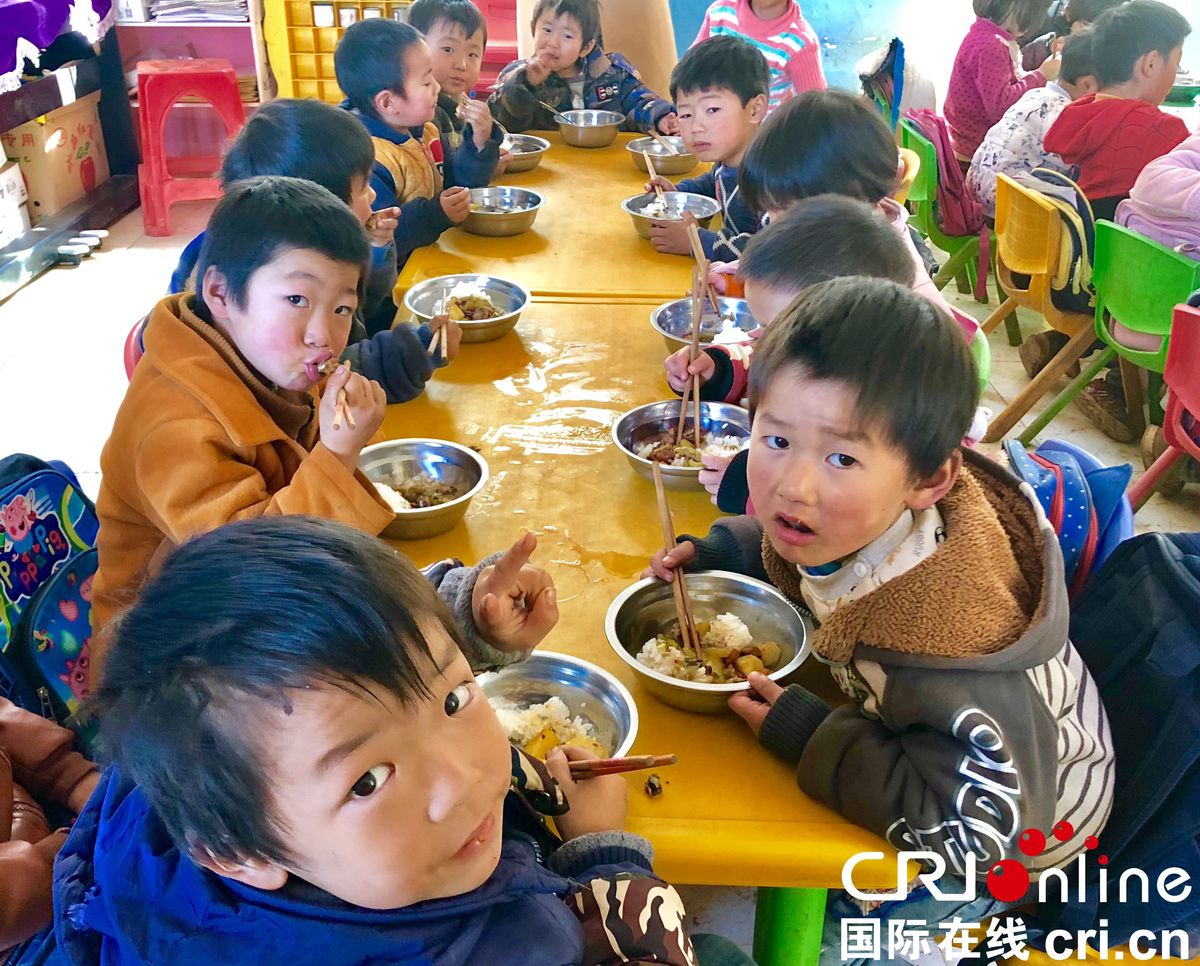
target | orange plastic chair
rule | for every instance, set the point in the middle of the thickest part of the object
(1181, 424)
(912, 167)
(1028, 236)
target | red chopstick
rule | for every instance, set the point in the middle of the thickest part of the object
(595, 767)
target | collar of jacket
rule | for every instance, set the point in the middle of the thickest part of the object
(378, 129)
(994, 578)
(210, 368)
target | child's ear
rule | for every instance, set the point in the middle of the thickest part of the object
(215, 289)
(930, 490)
(587, 48)
(383, 102)
(758, 108)
(257, 873)
(1087, 85)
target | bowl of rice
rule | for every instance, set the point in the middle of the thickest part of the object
(738, 612)
(646, 208)
(428, 483)
(646, 435)
(485, 306)
(551, 699)
(732, 324)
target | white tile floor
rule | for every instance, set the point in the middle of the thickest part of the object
(62, 378)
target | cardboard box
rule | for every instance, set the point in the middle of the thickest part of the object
(61, 155)
(14, 217)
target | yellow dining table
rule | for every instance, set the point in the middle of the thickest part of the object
(581, 245)
(540, 404)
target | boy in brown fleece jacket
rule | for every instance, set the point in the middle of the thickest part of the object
(936, 582)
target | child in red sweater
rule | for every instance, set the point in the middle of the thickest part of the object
(1113, 134)
(987, 78)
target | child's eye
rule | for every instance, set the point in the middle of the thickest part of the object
(299, 300)
(459, 698)
(344, 310)
(473, 56)
(841, 461)
(713, 110)
(775, 442)
(371, 781)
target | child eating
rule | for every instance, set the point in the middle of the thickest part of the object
(304, 770)
(937, 585)
(457, 35)
(222, 420)
(386, 71)
(720, 88)
(569, 71)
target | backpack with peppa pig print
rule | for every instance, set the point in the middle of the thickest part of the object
(47, 560)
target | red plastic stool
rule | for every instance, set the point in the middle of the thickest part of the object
(160, 84)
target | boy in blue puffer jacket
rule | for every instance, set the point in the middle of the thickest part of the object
(310, 777)
(318, 142)
(570, 71)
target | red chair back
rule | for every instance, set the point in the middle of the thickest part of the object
(1181, 427)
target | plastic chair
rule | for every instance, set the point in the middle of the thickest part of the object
(1138, 282)
(1028, 236)
(981, 352)
(163, 183)
(134, 347)
(912, 167)
(1182, 376)
(922, 197)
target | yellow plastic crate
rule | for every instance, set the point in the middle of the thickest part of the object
(302, 35)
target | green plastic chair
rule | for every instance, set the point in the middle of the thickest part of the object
(1139, 282)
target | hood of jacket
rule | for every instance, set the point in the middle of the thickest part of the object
(1089, 124)
(125, 894)
(996, 580)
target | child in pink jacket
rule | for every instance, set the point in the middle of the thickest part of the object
(1164, 203)
(987, 78)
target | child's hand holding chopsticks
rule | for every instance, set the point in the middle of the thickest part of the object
(598, 804)
(680, 368)
(382, 225)
(351, 412)
(447, 336)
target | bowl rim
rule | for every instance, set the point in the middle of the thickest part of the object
(643, 194)
(616, 118)
(408, 306)
(613, 681)
(641, 459)
(542, 144)
(416, 513)
(541, 200)
(686, 300)
(610, 633)
(629, 146)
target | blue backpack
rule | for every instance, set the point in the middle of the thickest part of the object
(47, 562)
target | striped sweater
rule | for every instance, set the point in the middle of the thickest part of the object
(788, 42)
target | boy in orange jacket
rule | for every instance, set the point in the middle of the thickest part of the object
(226, 417)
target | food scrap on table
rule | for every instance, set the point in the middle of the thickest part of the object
(654, 785)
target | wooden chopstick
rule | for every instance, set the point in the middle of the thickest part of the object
(341, 409)
(653, 176)
(594, 767)
(683, 606)
(702, 262)
(697, 317)
(670, 148)
(433, 343)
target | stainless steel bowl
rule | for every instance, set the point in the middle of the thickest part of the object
(426, 299)
(665, 163)
(673, 321)
(520, 207)
(590, 129)
(399, 459)
(701, 207)
(526, 150)
(657, 419)
(647, 608)
(587, 690)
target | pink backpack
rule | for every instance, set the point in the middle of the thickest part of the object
(957, 211)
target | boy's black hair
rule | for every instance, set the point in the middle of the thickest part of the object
(1029, 13)
(904, 357)
(258, 219)
(301, 138)
(207, 643)
(722, 63)
(370, 58)
(824, 237)
(820, 142)
(1127, 33)
(1089, 11)
(463, 13)
(585, 12)
(1077, 57)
